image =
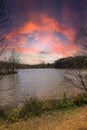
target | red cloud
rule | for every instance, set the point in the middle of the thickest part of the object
(28, 49)
(21, 39)
(43, 23)
(66, 49)
(44, 28)
(46, 24)
(24, 49)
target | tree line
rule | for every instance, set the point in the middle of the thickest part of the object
(13, 63)
(71, 62)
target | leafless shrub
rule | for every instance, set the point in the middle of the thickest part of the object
(77, 78)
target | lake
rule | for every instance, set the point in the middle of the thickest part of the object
(40, 83)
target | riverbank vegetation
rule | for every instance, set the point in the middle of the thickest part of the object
(10, 65)
(36, 107)
(72, 119)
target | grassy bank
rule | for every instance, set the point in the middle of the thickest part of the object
(35, 107)
(72, 119)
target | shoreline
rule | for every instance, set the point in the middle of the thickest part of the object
(35, 107)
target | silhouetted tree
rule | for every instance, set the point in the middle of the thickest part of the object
(77, 77)
(4, 21)
(13, 61)
(4, 17)
(72, 62)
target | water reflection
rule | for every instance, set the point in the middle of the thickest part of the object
(40, 83)
(8, 90)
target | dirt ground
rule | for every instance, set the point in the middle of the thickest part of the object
(75, 119)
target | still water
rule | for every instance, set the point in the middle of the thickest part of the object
(40, 83)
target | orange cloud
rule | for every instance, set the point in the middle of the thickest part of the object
(43, 28)
(46, 24)
(27, 49)
(43, 23)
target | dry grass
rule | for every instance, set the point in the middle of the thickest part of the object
(75, 119)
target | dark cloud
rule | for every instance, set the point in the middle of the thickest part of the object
(46, 25)
(44, 52)
(70, 12)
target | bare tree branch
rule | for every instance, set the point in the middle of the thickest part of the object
(76, 78)
(4, 17)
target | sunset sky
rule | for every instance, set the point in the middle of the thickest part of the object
(45, 30)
